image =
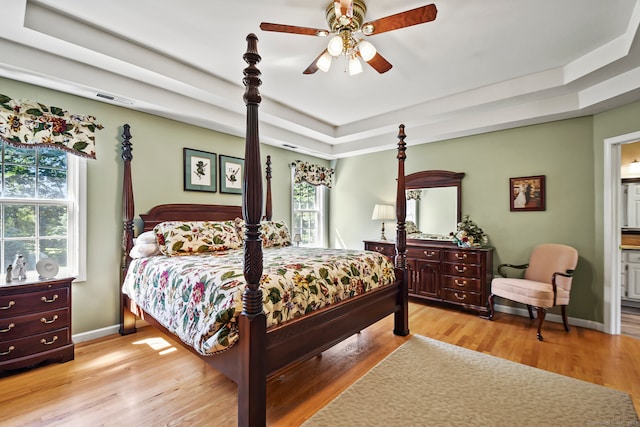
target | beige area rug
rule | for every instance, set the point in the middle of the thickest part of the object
(430, 383)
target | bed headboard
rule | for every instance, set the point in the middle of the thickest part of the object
(188, 212)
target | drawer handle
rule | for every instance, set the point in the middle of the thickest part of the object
(463, 256)
(7, 307)
(10, 327)
(429, 253)
(379, 248)
(463, 283)
(45, 321)
(458, 297)
(44, 299)
(45, 342)
(4, 353)
(460, 269)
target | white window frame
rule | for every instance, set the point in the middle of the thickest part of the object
(76, 219)
(320, 202)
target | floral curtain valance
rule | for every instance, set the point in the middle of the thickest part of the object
(28, 124)
(414, 194)
(313, 174)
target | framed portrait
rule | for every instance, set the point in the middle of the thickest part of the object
(199, 170)
(231, 173)
(527, 193)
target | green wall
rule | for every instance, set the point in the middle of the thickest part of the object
(157, 174)
(568, 152)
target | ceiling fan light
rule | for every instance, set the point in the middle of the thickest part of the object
(324, 62)
(355, 67)
(335, 46)
(367, 50)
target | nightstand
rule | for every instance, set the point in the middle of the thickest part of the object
(385, 247)
(35, 322)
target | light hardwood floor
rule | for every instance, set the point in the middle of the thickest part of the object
(147, 379)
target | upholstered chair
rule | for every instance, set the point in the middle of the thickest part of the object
(546, 282)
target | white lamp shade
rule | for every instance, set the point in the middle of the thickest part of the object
(355, 67)
(634, 167)
(335, 46)
(324, 62)
(367, 50)
(383, 212)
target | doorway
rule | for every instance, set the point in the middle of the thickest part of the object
(612, 236)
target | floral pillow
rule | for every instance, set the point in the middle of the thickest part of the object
(273, 233)
(190, 237)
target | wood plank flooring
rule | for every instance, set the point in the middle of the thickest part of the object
(147, 379)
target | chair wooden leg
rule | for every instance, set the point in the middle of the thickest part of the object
(563, 308)
(491, 300)
(541, 314)
(530, 312)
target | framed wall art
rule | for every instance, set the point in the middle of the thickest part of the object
(199, 170)
(527, 193)
(231, 173)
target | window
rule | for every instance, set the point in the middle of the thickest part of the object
(308, 212)
(42, 212)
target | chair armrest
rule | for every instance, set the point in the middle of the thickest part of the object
(520, 267)
(568, 273)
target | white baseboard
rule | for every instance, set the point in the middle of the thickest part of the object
(589, 324)
(103, 332)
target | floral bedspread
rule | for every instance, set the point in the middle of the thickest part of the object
(199, 297)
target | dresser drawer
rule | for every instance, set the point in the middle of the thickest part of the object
(383, 248)
(462, 270)
(22, 326)
(424, 253)
(51, 299)
(21, 347)
(458, 283)
(463, 257)
(463, 297)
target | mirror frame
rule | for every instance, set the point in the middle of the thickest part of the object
(437, 178)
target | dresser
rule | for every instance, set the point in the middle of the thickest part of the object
(35, 322)
(442, 272)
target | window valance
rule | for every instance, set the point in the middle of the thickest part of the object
(313, 174)
(30, 124)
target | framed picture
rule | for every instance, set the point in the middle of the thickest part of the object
(199, 170)
(527, 193)
(231, 172)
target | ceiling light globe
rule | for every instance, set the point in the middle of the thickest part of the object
(324, 62)
(367, 50)
(335, 46)
(355, 67)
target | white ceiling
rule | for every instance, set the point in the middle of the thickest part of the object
(480, 66)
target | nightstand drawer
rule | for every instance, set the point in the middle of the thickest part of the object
(51, 299)
(36, 323)
(388, 249)
(20, 347)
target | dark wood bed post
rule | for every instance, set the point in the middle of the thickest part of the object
(402, 316)
(267, 210)
(127, 318)
(252, 379)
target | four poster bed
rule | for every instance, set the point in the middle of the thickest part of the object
(261, 340)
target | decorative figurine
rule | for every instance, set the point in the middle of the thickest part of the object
(19, 268)
(9, 273)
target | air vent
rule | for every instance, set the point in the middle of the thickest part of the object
(293, 147)
(109, 97)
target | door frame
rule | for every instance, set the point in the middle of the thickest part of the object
(611, 227)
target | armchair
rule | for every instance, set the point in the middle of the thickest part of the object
(546, 283)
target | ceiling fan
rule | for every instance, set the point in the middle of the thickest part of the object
(346, 23)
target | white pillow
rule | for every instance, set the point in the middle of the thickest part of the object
(143, 250)
(147, 237)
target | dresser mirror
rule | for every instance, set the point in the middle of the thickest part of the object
(433, 204)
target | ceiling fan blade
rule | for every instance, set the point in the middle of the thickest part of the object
(280, 28)
(313, 67)
(408, 18)
(378, 63)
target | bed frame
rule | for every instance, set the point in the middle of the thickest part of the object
(261, 353)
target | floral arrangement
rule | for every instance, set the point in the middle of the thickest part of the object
(469, 234)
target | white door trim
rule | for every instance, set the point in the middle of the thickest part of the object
(611, 225)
